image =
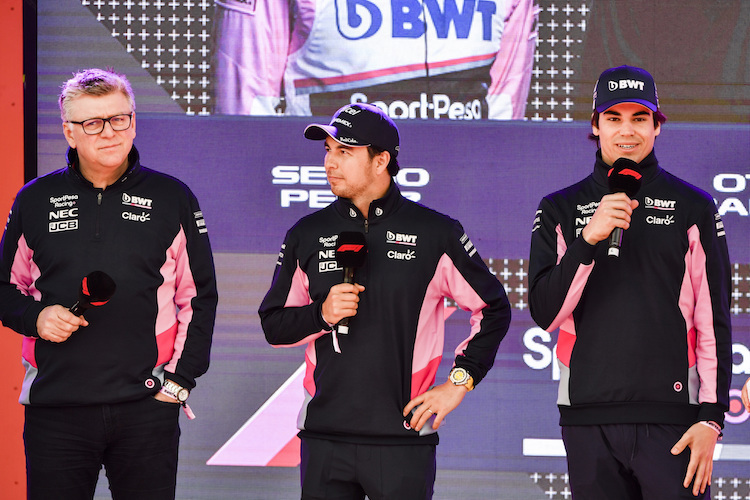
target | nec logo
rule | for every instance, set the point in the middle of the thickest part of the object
(659, 204)
(401, 239)
(624, 84)
(136, 201)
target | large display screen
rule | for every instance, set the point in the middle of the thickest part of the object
(255, 175)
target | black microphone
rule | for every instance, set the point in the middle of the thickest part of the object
(351, 250)
(97, 288)
(624, 177)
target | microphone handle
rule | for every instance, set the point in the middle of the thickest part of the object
(615, 241)
(77, 308)
(348, 278)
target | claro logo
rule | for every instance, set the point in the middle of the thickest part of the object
(301, 184)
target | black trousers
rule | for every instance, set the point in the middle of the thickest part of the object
(136, 442)
(344, 471)
(627, 462)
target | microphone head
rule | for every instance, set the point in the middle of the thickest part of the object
(351, 249)
(625, 177)
(97, 288)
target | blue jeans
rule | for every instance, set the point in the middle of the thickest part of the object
(136, 442)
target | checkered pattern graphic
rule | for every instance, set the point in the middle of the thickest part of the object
(172, 40)
(740, 291)
(557, 60)
(555, 486)
(513, 274)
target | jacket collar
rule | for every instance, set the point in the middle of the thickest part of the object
(134, 159)
(379, 209)
(648, 167)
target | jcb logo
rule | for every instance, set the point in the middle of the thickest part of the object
(331, 265)
(63, 225)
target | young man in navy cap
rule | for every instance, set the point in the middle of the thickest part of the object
(368, 424)
(644, 344)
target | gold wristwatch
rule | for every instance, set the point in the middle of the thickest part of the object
(459, 376)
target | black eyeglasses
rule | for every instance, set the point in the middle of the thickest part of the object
(96, 125)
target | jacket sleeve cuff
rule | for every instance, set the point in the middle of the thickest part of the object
(324, 325)
(712, 412)
(30, 315)
(583, 251)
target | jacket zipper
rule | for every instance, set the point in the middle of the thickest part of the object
(98, 213)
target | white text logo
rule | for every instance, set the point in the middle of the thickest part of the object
(660, 204)
(136, 201)
(66, 200)
(401, 239)
(625, 84)
(660, 221)
(63, 220)
(407, 255)
(142, 217)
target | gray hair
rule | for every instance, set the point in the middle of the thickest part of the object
(94, 82)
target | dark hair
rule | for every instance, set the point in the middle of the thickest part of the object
(393, 166)
(659, 118)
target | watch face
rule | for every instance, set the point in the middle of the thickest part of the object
(459, 376)
(182, 395)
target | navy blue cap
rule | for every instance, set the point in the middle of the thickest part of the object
(625, 84)
(359, 124)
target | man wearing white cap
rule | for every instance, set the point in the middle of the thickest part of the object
(631, 265)
(370, 416)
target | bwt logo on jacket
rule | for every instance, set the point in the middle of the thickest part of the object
(624, 84)
(136, 201)
(658, 204)
(401, 239)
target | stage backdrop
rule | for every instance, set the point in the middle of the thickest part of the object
(255, 176)
(12, 469)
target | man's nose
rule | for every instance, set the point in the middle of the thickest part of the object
(626, 128)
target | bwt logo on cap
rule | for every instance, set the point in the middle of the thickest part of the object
(624, 84)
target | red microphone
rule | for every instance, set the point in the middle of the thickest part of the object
(351, 251)
(97, 288)
(624, 177)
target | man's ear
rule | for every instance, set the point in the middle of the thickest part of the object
(381, 161)
(68, 133)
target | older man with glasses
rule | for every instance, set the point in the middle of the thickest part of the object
(106, 389)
